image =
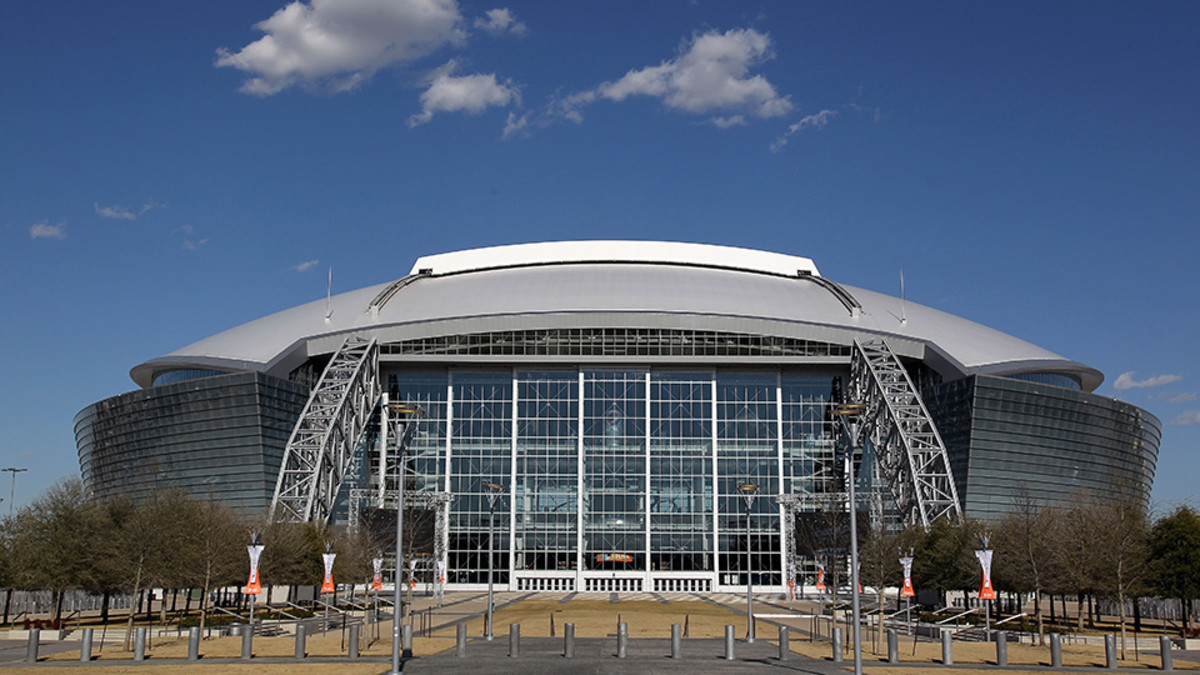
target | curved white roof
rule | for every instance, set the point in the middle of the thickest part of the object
(605, 284)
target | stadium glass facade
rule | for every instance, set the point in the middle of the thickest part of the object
(623, 478)
(620, 407)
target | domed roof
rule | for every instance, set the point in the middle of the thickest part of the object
(615, 284)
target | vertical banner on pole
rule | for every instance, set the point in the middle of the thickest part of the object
(412, 573)
(907, 591)
(377, 580)
(253, 587)
(327, 586)
(820, 578)
(986, 592)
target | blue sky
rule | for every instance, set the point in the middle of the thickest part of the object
(169, 170)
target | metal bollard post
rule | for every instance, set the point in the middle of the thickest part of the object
(31, 649)
(1164, 650)
(729, 633)
(85, 648)
(947, 648)
(1001, 648)
(893, 646)
(837, 644)
(622, 639)
(1110, 651)
(460, 640)
(248, 642)
(569, 641)
(1055, 650)
(301, 638)
(514, 640)
(785, 647)
(194, 643)
(139, 644)
(354, 641)
(676, 641)
(406, 641)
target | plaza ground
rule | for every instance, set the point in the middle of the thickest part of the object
(542, 618)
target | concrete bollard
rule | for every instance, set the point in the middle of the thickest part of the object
(139, 644)
(622, 640)
(248, 642)
(569, 641)
(31, 648)
(729, 638)
(301, 638)
(1001, 648)
(947, 648)
(85, 648)
(406, 641)
(194, 643)
(353, 641)
(893, 646)
(676, 641)
(1110, 651)
(514, 640)
(1055, 650)
(460, 640)
(785, 646)
(837, 644)
(1164, 650)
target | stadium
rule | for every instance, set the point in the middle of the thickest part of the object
(640, 416)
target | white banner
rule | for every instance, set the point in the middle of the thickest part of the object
(906, 563)
(328, 559)
(985, 564)
(255, 553)
(378, 565)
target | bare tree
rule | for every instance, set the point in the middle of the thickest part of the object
(215, 550)
(1025, 541)
(1122, 554)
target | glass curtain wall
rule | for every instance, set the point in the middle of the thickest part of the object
(810, 466)
(614, 456)
(681, 472)
(481, 450)
(595, 461)
(747, 454)
(547, 471)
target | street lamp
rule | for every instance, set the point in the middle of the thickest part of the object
(493, 495)
(749, 492)
(404, 417)
(12, 493)
(847, 414)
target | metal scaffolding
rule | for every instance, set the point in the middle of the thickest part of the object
(321, 448)
(909, 453)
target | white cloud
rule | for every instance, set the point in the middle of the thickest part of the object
(727, 122)
(1182, 398)
(305, 266)
(711, 73)
(338, 44)
(814, 121)
(500, 21)
(1126, 381)
(470, 93)
(1188, 418)
(44, 230)
(516, 126)
(190, 245)
(121, 212)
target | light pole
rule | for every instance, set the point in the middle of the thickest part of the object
(848, 414)
(404, 418)
(12, 493)
(493, 495)
(749, 492)
(984, 555)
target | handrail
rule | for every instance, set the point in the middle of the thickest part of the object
(956, 616)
